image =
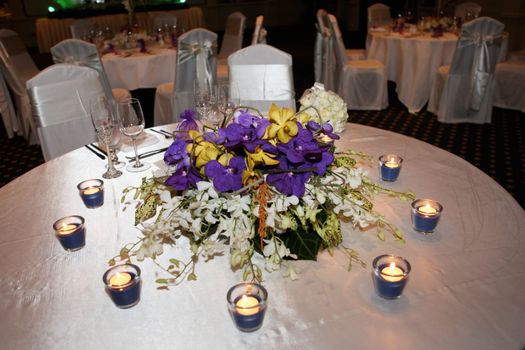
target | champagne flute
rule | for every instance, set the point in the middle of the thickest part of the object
(227, 99)
(105, 125)
(132, 124)
(202, 97)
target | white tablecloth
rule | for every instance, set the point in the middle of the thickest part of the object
(465, 290)
(140, 70)
(412, 62)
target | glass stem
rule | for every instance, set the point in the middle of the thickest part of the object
(111, 168)
(137, 161)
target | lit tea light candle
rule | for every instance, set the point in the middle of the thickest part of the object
(247, 305)
(70, 232)
(92, 193)
(425, 215)
(123, 285)
(390, 275)
(390, 167)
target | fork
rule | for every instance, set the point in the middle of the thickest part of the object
(147, 154)
(162, 132)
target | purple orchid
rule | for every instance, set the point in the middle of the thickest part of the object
(237, 134)
(184, 178)
(290, 182)
(226, 178)
(326, 129)
(259, 124)
(188, 123)
(177, 153)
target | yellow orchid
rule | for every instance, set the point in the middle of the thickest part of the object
(225, 158)
(283, 124)
(261, 157)
(304, 118)
(203, 151)
(250, 175)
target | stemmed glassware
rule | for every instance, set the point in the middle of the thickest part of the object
(106, 126)
(205, 98)
(132, 124)
(227, 99)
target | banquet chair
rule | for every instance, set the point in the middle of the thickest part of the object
(163, 20)
(196, 61)
(509, 85)
(259, 33)
(231, 42)
(63, 125)
(9, 118)
(321, 43)
(19, 68)
(80, 28)
(82, 53)
(361, 83)
(379, 15)
(467, 10)
(262, 75)
(463, 91)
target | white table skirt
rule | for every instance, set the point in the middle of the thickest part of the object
(465, 290)
(412, 62)
(141, 70)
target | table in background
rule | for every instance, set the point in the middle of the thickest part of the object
(140, 70)
(52, 31)
(465, 289)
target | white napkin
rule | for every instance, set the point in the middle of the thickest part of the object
(144, 140)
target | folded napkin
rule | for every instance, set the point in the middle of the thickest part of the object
(144, 140)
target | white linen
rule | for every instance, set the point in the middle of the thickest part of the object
(319, 45)
(463, 92)
(378, 15)
(465, 289)
(63, 124)
(509, 85)
(262, 75)
(140, 70)
(145, 140)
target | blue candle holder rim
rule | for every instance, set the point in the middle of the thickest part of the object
(105, 277)
(384, 157)
(405, 271)
(78, 217)
(435, 203)
(100, 184)
(262, 301)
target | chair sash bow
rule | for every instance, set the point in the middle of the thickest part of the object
(201, 54)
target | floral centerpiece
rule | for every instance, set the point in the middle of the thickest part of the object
(273, 187)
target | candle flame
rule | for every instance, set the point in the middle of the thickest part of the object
(392, 267)
(392, 160)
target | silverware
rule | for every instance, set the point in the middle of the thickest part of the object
(147, 154)
(167, 132)
(101, 156)
(99, 149)
(162, 132)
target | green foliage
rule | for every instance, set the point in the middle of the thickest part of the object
(304, 243)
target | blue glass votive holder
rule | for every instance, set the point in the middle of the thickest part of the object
(123, 285)
(71, 232)
(390, 167)
(390, 275)
(92, 193)
(425, 215)
(247, 304)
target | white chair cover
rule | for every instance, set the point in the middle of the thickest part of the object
(196, 60)
(464, 9)
(82, 53)
(320, 45)
(80, 28)
(462, 93)
(379, 15)
(262, 75)
(163, 19)
(63, 125)
(259, 33)
(509, 85)
(361, 83)
(19, 68)
(233, 35)
(11, 123)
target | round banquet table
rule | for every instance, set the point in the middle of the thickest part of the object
(140, 70)
(465, 289)
(412, 62)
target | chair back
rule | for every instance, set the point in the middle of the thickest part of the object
(164, 19)
(259, 33)
(7, 109)
(475, 58)
(82, 53)
(318, 49)
(63, 125)
(336, 44)
(467, 10)
(196, 61)
(262, 75)
(379, 15)
(233, 34)
(80, 28)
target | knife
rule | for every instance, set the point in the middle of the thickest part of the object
(99, 149)
(101, 156)
(149, 154)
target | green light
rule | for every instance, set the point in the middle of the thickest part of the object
(51, 9)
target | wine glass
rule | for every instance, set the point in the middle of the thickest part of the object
(227, 98)
(132, 124)
(204, 98)
(105, 125)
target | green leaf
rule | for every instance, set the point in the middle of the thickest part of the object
(146, 210)
(175, 262)
(303, 243)
(161, 280)
(124, 253)
(192, 277)
(381, 235)
(111, 262)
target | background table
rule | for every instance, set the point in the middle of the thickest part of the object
(141, 70)
(465, 289)
(412, 62)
